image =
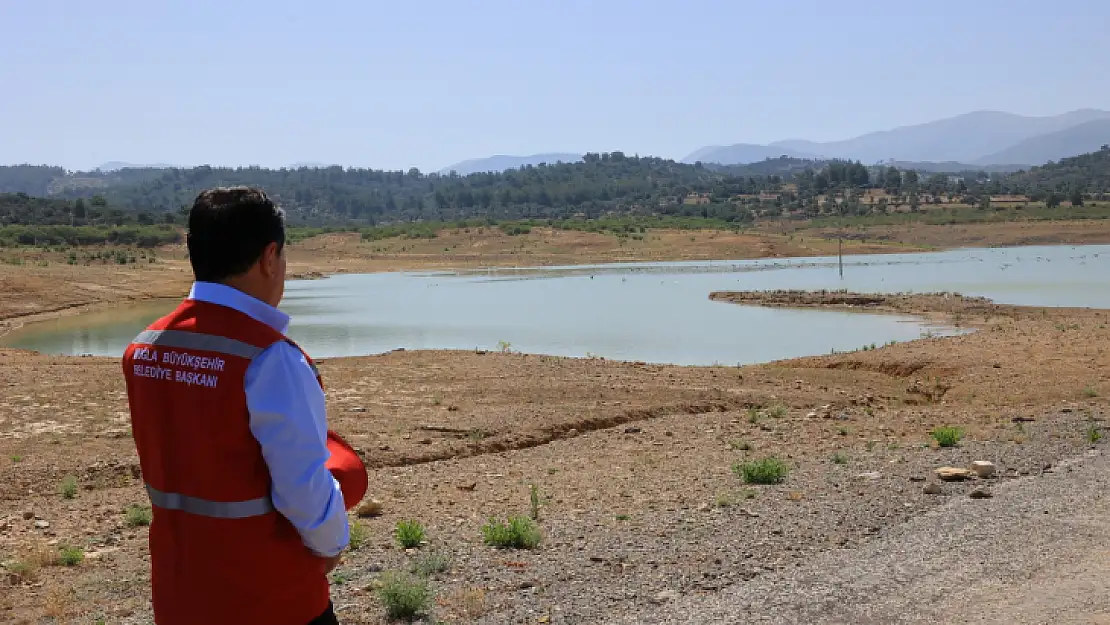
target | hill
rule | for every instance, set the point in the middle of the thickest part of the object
(118, 165)
(1081, 139)
(600, 185)
(742, 153)
(1088, 173)
(980, 138)
(503, 162)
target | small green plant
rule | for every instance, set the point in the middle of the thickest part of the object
(765, 471)
(20, 571)
(477, 434)
(69, 487)
(947, 436)
(437, 399)
(137, 515)
(71, 556)
(431, 563)
(403, 596)
(753, 415)
(358, 536)
(1090, 391)
(17, 458)
(340, 577)
(519, 533)
(623, 517)
(409, 534)
(1094, 434)
(839, 458)
(843, 431)
(534, 498)
(505, 347)
(777, 411)
(741, 445)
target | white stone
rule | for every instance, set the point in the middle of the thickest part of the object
(983, 468)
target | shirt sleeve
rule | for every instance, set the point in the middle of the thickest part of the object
(288, 418)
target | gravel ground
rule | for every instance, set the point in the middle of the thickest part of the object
(1034, 553)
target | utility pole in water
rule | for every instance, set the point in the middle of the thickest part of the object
(840, 236)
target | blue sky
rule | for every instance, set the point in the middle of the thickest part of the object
(428, 83)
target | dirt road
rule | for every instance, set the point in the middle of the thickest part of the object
(1038, 552)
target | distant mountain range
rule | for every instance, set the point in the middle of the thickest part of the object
(118, 165)
(501, 162)
(981, 138)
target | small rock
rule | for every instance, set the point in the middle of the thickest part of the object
(980, 493)
(425, 441)
(665, 596)
(870, 475)
(356, 409)
(370, 508)
(632, 430)
(932, 489)
(983, 468)
(468, 486)
(42, 525)
(953, 474)
(668, 433)
(703, 507)
(572, 432)
(811, 415)
(917, 478)
(28, 515)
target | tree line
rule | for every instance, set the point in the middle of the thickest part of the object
(603, 184)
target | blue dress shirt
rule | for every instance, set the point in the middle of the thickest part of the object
(288, 417)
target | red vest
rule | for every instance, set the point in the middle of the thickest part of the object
(219, 551)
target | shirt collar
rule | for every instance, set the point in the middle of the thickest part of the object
(223, 295)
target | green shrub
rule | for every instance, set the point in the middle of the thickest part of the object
(138, 515)
(519, 533)
(69, 487)
(409, 533)
(403, 596)
(358, 536)
(947, 436)
(71, 556)
(765, 471)
(428, 564)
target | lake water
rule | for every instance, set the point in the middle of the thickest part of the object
(655, 312)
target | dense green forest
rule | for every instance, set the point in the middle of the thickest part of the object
(28, 220)
(608, 184)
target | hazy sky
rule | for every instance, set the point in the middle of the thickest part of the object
(428, 83)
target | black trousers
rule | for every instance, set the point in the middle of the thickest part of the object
(327, 618)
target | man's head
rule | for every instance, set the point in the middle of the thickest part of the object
(237, 237)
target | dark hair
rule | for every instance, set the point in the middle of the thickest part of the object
(229, 227)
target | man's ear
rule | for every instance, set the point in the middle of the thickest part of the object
(268, 263)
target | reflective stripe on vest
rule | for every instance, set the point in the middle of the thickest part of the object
(196, 340)
(214, 509)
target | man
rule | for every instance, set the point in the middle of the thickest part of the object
(229, 422)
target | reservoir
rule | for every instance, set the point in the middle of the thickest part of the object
(653, 312)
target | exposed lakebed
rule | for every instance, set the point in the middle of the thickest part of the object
(655, 312)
